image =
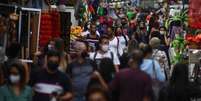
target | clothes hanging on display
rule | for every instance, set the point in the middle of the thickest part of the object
(50, 26)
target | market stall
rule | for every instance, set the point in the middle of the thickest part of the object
(30, 26)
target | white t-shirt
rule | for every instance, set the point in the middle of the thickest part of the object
(122, 43)
(113, 45)
(105, 55)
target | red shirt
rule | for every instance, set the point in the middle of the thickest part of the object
(131, 85)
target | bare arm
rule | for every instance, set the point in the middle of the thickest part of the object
(146, 99)
(67, 97)
(117, 68)
(102, 81)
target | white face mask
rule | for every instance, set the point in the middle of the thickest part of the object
(105, 48)
(14, 79)
(162, 32)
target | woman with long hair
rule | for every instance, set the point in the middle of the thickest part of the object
(16, 88)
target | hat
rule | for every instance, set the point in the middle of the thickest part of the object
(155, 42)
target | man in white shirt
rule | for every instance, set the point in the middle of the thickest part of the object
(104, 52)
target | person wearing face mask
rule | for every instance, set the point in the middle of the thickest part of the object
(142, 33)
(80, 71)
(16, 88)
(125, 26)
(49, 84)
(104, 52)
(123, 41)
(165, 39)
(113, 41)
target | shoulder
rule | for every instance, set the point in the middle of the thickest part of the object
(63, 76)
(123, 71)
(4, 87)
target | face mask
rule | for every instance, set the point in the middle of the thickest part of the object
(14, 79)
(50, 47)
(162, 32)
(105, 48)
(53, 66)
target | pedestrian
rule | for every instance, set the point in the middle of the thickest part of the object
(179, 87)
(16, 89)
(13, 54)
(132, 84)
(97, 95)
(103, 75)
(81, 71)
(92, 37)
(164, 37)
(160, 56)
(133, 42)
(104, 52)
(142, 35)
(64, 57)
(49, 84)
(123, 40)
(149, 64)
(113, 41)
(153, 69)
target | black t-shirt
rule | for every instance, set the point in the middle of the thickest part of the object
(45, 84)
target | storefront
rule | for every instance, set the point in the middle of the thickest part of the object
(33, 27)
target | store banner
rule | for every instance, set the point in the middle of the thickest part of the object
(195, 14)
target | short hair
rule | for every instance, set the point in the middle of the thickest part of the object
(137, 56)
(146, 49)
(97, 90)
(84, 42)
(52, 53)
(21, 69)
(155, 42)
(163, 27)
(102, 38)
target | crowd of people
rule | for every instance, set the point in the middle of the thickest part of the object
(124, 61)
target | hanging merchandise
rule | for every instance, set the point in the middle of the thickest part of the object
(130, 15)
(50, 26)
(177, 49)
(194, 14)
(75, 33)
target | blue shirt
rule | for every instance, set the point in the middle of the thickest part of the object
(147, 66)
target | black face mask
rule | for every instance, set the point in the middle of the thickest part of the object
(53, 66)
